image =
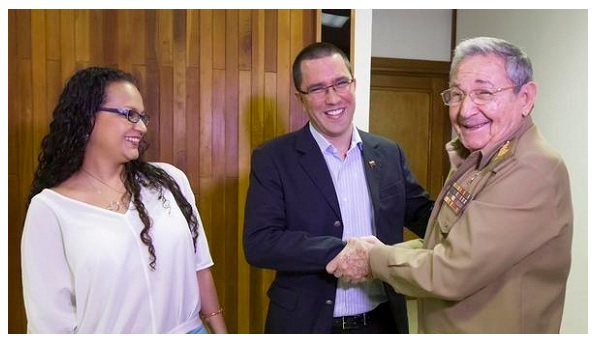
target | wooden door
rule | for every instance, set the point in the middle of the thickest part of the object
(406, 107)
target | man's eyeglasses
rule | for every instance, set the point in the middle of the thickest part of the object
(340, 87)
(130, 114)
(482, 96)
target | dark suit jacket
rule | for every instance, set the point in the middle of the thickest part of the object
(293, 223)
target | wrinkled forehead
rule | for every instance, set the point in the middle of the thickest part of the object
(480, 70)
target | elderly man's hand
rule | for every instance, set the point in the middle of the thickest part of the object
(352, 263)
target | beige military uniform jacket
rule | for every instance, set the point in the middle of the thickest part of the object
(497, 252)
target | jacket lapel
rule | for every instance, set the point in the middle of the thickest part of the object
(312, 161)
(373, 164)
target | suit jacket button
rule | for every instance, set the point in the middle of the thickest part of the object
(337, 224)
(329, 302)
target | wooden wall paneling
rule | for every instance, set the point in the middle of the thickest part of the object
(150, 73)
(39, 81)
(218, 142)
(12, 94)
(166, 84)
(205, 122)
(266, 276)
(17, 318)
(258, 70)
(218, 124)
(179, 89)
(13, 155)
(110, 37)
(192, 37)
(151, 80)
(12, 116)
(151, 36)
(270, 17)
(18, 193)
(54, 77)
(284, 72)
(245, 39)
(38, 70)
(244, 154)
(67, 43)
(23, 31)
(54, 86)
(300, 29)
(217, 241)
(165, 37)
(165, 129)
(192, 119)
(309, 27)
(227, 265)
(205, 207)
(219, 28)
(270, 65)
(270, 105)
(137, 39)
(150, 83)
(123, 43)
(206, 55)
(82, 38)
(19, 45)
(96, 40)
(52, 33)
(231, 94)
(25, 130)
(228, 235)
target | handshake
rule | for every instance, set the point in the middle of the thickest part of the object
(352, 263)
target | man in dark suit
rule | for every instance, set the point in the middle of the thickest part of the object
(312, 189)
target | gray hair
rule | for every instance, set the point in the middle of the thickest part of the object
(518, 65)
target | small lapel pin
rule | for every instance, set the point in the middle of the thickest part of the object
(372, 163)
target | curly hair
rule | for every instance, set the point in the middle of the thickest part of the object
(63, 148)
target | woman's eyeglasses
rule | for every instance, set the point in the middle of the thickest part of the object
(130, 114)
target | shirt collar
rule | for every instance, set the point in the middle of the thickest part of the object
(324, 144)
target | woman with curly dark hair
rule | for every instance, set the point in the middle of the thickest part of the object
(111, 243)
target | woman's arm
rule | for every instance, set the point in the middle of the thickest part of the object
(211, 311)
(47, 286)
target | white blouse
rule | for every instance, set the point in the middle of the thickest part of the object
(86, 270)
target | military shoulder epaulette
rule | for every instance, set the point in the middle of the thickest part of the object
(503, 153)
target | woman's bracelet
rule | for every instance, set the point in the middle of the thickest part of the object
(206, 317)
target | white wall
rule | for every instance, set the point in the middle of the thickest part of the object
(412, 34)
(362, 67)
(557, 42)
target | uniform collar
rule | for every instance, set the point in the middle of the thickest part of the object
(458, 153)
